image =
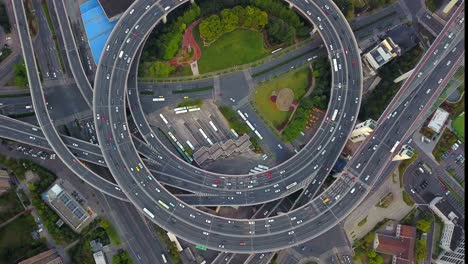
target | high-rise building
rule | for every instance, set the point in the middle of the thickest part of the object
(456, 256)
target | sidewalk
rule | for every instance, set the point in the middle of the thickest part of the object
(396, 210)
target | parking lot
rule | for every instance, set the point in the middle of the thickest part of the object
(202, 127)
(428, 186)
(453, 162)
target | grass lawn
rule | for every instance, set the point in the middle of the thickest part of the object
(235, 48)
(298, 82)
(16, 242)
(458, 124)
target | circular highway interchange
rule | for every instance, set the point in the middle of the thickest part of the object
(313, 161)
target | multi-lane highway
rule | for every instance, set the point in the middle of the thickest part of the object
(126, 166)
(312, 162)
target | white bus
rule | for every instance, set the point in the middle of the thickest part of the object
(164, 258)
(163, 119)
(334, 114)
(234, 132)
(181, 111)
(148, 212)
(241, 114)
(203, 133)
(263, 167)
(335, 67)
(395, 146)
(172, 136)
(213, 126)
(256, 169)
(258, 134)
(291, 185)
(159, 99)
(276, 50)
(180, 108)
(250, 125)
(209, 141)
(194, 109)
(190, 145)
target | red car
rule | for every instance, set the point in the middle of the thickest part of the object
(353, 63)
(268, 174)
(217, 181)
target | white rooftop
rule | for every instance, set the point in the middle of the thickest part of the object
(438, 120)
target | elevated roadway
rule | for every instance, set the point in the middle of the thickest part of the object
(232, 235)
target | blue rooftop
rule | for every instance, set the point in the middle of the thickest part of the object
(97, 27)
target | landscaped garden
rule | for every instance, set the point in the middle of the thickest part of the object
(266, 97)
(234, 48)
(220, 36)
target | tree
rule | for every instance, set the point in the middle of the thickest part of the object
(122, 258)
(421, 250)
(229, 20)
(280, 32)
(423, 225)
(20, 75)
(211, 28)
(156, 69)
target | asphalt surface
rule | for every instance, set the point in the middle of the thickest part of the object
(231, 187)
(263, 238)
(119, 163)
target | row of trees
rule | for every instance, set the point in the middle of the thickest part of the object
(238, 17)
(380, 97)
(278, 9)
(280, 32)
(156, 69)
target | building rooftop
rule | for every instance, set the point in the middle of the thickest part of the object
(114, 8)
(447, 209)
(438, 120)
(69, 204)
(382, 53)
(99, 258)
(97, 27)
(4, 181)
(46, 257)
(400, 245)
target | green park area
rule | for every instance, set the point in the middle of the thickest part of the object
(458, 125)
(298, 82)
(234, 48)
(16, 242)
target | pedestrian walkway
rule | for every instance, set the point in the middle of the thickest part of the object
(367, 209)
